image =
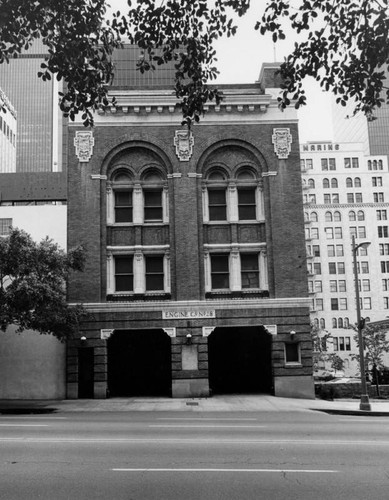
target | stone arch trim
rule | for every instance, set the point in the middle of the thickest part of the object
(128, 142)
(228, 143)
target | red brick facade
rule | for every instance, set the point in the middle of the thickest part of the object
(232, 151)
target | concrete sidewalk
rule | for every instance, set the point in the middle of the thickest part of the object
(256, 403)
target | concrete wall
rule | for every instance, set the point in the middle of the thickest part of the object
(32, 366)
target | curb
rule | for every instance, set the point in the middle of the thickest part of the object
(364, 413)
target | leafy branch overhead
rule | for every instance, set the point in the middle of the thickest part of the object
(33, 285)
(344, 45)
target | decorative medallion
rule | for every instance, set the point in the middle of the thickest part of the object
(84, 142)
(282, 139)
(183, 140)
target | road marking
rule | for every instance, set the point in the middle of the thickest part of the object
(190, 441)
(23, 425)
(309, 471)
(206, 426)
(205, 419)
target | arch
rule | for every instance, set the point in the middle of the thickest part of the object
(340, 322)
(351, 216)
(116, 156)
(326, 183)
(346, 323)
(322, 323)
(245, 173)
(349, 182)
(357, 182)
(122, 174)
(152, 174)
(257, 160)
(361, 215)
(328, 217)
(311, 183)
(337, 216)
(334, 323)
(314, 217)
(216, 173)
(334, 182)
(316, 322)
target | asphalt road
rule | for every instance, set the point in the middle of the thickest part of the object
(192, 455)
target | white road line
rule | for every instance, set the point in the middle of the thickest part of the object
(24, 425)
(309, 471)
(206, 426)
(205, 419)
(192, 441)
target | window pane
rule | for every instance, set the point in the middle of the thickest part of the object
(153, 205)
(291, 353)
(124, 274)
(220, 271)
(217, 204)
(123, 265)
(249, 270)
(154, 273)
(124, 283)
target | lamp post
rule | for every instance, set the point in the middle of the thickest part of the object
(364, 403)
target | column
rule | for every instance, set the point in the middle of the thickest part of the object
(110, 204)
(139, 273)
(138, 204)
(110, 274)
(235, 276)
(232, 203)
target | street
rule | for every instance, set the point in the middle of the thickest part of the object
(193, 455)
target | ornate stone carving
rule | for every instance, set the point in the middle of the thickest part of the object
(282, 139)
(84, 142)
(183, 141)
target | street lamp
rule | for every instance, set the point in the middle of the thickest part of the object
(364, 404)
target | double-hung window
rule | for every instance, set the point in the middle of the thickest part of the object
(220, 274)
(154, 272)
(123, 206)
(153, 205)
(217, 204)
(124, 274)
(249, 270)
(246, 204)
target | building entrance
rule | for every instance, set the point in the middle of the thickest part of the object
(240, 360)
(139, 363)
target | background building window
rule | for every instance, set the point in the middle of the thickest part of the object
(124, 274)
(220, 276)
(5, 226)
(154, 272)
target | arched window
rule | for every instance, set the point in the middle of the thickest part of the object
(122, 187)
(361, 215)
(346, 323)
(152, 184)
(351, 216)
(217, 195)
(314, 217)
(326, 183)
(367, 319)
(311, 183)
(316, 323)
(357, 182)
(340, 323)
(337, 216)
(334, 183)
(306, 216)
(322, 323)
(328, 217)
(349, 182)
(374, 164)
(380, 164)
(369, 165)
(334, 323)
(247, 195)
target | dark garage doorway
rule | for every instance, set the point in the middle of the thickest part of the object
(139, 363)
(240, 360)
(85, 372)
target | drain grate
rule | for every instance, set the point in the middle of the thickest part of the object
(192, 403)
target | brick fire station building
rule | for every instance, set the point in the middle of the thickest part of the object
(196, 269)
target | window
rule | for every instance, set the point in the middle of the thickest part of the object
(313, 217)
(220, 276)
(292, 352)
(357, 182)
(324, 164)
(317, 268)
(335, 198)
(154, 272)
(332, 267)
(329, 233)
(337, 217)
(312, 198)
(381, 215)
(353, 231)
(314, 233)
(331, 250)
(332, 163)
(5, 226)
(249, 270)
(342, 285)
(361, 232)
(340, 323)
(328, 216)
(361, 215)
(384, 266)
(366, 303)
(355, 162)
(349, 182)
(338, 233)
(382, 231)
(316, 250)
(364, 267)
(326, 183)
(246, 204)
(347, 163)
(339, 250)
(310, 286)
(386, 302)
(152, 205)
(327, 199)
(318, 286)
(333, 285)
(341, 269)
(319, 304)
(334, 323)
(366, 285)
(346, 323)
(343, 304)
(124, 274)
(347, 343)
(384, 248)
(322, 323)
(376, 181)
(217, 204)
(123, 206)
(351, 216)
(311, 183)
(385, 285)
(358, 198)
(334, 183)
(309, 163)
(350, 198)
(378, 197)
(334, 304)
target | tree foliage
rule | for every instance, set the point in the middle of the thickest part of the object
(376, 345)
(33, 285)
(345, 45)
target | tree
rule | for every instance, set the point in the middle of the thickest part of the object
(33, 285)
(345, 46)
(375, 344)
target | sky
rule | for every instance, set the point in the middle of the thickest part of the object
(240, 59)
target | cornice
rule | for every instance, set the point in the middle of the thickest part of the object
(344, 205)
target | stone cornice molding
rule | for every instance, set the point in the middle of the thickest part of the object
(344, 205)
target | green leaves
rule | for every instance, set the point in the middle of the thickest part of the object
(32, 285)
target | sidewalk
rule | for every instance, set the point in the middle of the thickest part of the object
(261, 403)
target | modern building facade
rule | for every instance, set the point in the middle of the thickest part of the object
(195, 279)
(40, 126)
(345, 193)
(8, 119)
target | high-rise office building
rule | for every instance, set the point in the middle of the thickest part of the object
(345, 194)
(39, 126)
(7, 134)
